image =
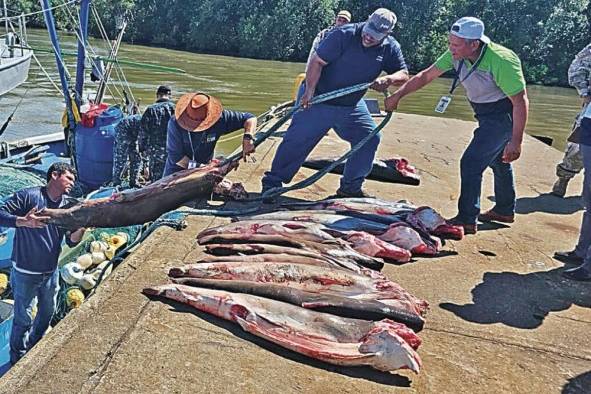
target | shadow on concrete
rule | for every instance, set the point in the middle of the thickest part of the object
(549, 203)
(521, 300)
(367, 373)
(488, 226)
(578, 385)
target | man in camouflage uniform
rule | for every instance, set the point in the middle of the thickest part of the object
(154, 123)
(126, 148)
(579, 76)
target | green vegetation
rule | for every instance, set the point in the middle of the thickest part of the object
(546, 34)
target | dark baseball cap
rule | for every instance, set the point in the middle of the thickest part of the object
(163, 90)
(380, 23)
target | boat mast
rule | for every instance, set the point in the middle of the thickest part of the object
(50, 23)
(84, 7)
(111, 61)
(5, 16)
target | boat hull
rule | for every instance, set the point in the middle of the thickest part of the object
(14, 71)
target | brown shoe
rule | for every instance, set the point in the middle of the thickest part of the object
(492, 216)
(468, 228)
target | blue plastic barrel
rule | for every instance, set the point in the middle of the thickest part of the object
(6, 314)
(94, 149)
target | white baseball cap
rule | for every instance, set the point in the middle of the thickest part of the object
(470, 28)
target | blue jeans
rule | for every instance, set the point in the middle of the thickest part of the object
(308, 127)
(583, 248)
(25, 287)
(486, 150)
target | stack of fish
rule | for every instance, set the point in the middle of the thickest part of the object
(309, 279)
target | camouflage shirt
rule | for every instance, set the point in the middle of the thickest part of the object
(128, 128)
(154, 124)
(579, 72)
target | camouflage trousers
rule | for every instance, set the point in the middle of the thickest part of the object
(125, 152)
(157, 162)
(572, 162)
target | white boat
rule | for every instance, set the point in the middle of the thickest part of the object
(15, 61)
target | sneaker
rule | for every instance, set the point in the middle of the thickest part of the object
(357, 194)
(468, 228)
(568, 257)
(492, 216)
(580, 273)
(559, 188)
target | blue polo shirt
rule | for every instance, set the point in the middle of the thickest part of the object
(199, 146)
(35, 250)
(350, 63)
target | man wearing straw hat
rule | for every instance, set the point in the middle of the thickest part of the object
(350, 55)
(198, 123)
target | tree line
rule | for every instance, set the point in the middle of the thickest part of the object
(545, 34)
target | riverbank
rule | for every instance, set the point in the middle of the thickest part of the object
(502, 318)
(253, 85)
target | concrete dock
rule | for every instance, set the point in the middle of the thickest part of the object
(502, 319)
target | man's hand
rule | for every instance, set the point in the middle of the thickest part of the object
(585, 100)
(32, 220)
(247, 147)
(307, 97)
(76, 236)
(391, 103)
(381, 84)
(512, 152)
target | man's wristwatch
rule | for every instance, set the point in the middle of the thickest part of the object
(248, 137)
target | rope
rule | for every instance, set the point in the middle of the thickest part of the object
(275, 192)
(90, 49)
(118, 69)
(260, 137)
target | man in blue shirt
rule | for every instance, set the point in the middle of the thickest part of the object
(35, 255)
(349, 55)
(198, 123)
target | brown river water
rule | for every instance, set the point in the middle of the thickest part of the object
(242, 84)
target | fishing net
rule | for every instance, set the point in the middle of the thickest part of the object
(13, 179)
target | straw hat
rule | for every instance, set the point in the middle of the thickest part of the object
(197, 111)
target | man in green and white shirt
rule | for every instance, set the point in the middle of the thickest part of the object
(493, 79)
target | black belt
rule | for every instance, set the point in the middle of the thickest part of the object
(502, 106)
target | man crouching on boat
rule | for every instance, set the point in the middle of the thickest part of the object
(35, 253)
(198, 122)
(349, 55)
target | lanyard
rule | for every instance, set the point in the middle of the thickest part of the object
(191, 143)
(456, 80)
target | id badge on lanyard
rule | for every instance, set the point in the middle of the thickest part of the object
(443, 104)
(444, 101)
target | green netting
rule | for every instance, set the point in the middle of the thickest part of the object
(14, 179)
(71, 254)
